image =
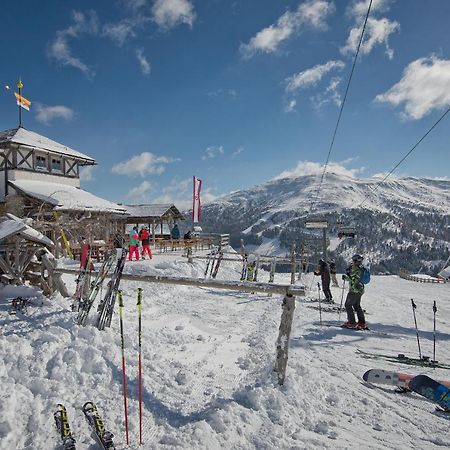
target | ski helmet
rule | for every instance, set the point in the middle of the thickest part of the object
(357, 258)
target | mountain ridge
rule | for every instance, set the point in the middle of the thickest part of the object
(400, 223)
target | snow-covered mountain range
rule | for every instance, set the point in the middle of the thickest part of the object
(400, 223)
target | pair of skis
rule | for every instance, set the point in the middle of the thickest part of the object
(434, 390)
(106, 307)
(85, 305)
(90, 411)
(403, 359)
(214, 259)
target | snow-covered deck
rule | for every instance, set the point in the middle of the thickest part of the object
(64, 197)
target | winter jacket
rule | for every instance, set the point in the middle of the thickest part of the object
(175, 232)
(134, 238)
(354, 276)
(144, 236)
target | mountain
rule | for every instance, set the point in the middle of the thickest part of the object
(400, 223)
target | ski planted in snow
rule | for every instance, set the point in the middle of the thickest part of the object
(83, 276)
(219, 258)
(432, 390)
(244, 268)
(85, 305)
(63, 426)
(106, 307)
(392, 378)
(210, 256)
(104, 437)
(403, 359)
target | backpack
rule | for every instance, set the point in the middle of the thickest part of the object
(365, 275)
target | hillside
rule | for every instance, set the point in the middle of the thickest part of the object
(208, 356)
(404, 222)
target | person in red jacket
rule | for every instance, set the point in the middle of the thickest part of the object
(144, 236)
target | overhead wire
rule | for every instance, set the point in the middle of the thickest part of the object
(314, 201)
(377, 185)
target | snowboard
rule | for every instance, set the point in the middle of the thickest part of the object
(432, 390)
(391, 378)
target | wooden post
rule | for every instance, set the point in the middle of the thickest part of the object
(287, 317)
(293, 264)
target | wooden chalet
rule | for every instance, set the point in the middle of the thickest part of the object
(40, 179)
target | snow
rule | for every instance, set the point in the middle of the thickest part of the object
(208, 357)
(10, 228)
(66, 197)
(29, 138)
(30, 233)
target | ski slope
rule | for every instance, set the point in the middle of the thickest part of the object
(208, 357)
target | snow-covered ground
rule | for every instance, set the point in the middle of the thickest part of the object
(208, 357)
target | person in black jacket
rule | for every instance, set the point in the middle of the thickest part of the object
(324, 273)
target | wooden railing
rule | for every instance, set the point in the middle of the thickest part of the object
(407, 276)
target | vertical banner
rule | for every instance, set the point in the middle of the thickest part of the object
(196, 200)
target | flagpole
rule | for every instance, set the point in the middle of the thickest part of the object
(19, 85)
(193, 202)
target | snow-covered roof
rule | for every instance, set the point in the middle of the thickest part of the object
(445, 273)
(13, 225)
(65, 198)
(153, 211)
(23, 136)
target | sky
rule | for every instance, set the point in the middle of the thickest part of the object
(234, 92)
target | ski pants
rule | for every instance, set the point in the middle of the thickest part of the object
(352, 305)
(146, 250)
(134, 249)
(334, 280)
(326, 291)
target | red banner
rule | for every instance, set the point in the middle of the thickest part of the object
(196, 200)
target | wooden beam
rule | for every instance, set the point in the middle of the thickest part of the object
(244, 286)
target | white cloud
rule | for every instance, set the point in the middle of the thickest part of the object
(422, 88)
(145, 65)
(358, 9)
(268, 40)
(141, 191)
(170, 13)
(377, 33)
(290, 107)
(144, 164)
(86, 173)
(60, 50)
(45, 114)
(237, 152)
(312, 168)
(330, 95)
(213, 152)
(311, 77)
(120, 32)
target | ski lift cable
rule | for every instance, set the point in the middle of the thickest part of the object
(341, 110)
(377, 185)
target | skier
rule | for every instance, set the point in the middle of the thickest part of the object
(324, 273)
(355, 292)
(144, 237)
(175, 233)
(134, 244)
(333, 273)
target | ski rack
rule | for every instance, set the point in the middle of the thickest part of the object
(288, 290)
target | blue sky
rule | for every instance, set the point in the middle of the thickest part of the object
(234, 92)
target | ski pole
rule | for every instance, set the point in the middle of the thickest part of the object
(139, 308)
(320, 304)
(434, 330)
(415, 322)
(124, 379)
(342, 299)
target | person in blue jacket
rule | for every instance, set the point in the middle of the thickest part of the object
(175, 233)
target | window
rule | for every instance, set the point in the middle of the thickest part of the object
(56, 165)
(41, 162)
